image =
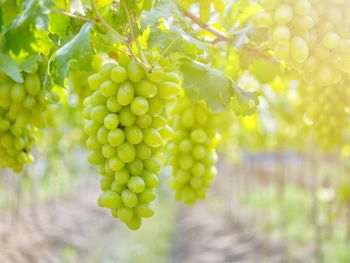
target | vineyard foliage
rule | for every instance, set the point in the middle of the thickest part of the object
(158, 82)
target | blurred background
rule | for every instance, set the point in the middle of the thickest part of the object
(278, 196)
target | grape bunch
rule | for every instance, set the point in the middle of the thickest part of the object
(192, 152)
(328, 118)
(288, 23)
(311, 36)
(126, 125)
(21, 113)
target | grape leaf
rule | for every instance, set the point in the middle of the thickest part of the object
(60, 61)
(10, 67)
(30, 24)
(165, 30)
(216, 88)
(203, 82)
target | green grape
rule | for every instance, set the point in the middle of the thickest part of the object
(129, 198)
(126, 152)
(134, 135)
(125, 93)
(111, 121)
(22, 108)
(139, 106)
(108, 88)
(135, 71)
(146, 89)
(136, 184)
(126, 128)
(119, 74)
(116, 137)
(191, 153)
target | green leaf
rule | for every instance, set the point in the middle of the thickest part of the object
(203, 82)
(10, 67)
(60, 61)
(165, 31)
(29, 26)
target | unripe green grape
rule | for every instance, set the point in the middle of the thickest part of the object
(168, 90)
(125, 93)
(152, 138)
(136, 184)
(32, 84)
(108, 151)
(92, 144)
(108, 88)
(283, 14)
(134, 135)
(198, 136)
(146, 89)
(102, 135)
(147, 196)
(98, 113)
(158, 122)
(116, 164)
(18, 93)
(119, 74)
(150, 179)
(113, 104)
(134, 223)
(152, 164)
(116, 137)
(122, 176)
(129, 198)
(106, 182)
(155, 106)
(135, 167)
(143, 210)
(126, 214)
(97, 98)
(126, 152)
(95, 81)
(139, 106)
(144, 121)
(111, 121)
(143, 151)
(135, 71)
(126, 117)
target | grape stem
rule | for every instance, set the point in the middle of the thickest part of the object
(133, 38)
(79, 17)
(220, 36)
(109, 28)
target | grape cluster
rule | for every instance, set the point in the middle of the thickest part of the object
(311, 36)
(127, 128)
(328, 119)
(288, 23)
(21, 113)
(192, 152)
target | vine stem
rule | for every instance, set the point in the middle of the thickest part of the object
(131, 23)
(118, 36)
(79, 17)
(222, 37)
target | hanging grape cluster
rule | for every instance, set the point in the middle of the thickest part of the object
(311, 36)
(329, 118)
(21, 113)
(192, 152)
(127, 128)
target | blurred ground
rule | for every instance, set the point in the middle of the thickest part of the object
(74, 229)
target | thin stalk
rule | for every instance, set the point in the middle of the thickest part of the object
(117, 35)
